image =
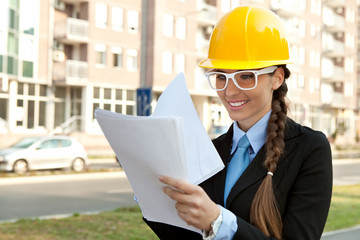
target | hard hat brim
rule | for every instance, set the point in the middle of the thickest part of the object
(238, 65)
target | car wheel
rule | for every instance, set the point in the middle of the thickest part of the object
(20, 167)
(78, 165)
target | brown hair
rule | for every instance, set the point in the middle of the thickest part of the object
(264, 212)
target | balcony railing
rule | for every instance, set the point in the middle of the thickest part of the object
(207, 15)
(333, 48)
(333, 22)
(335, 3)
(71, 72)
(72, 30)
(285, 7)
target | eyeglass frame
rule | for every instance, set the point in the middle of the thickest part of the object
(256, 73)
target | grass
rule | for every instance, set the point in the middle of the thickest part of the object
(127, 224)
(345, 208)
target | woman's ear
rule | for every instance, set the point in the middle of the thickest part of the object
(278, 78)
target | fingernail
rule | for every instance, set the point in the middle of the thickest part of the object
(161, 178)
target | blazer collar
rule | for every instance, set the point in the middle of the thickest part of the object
(256, 170)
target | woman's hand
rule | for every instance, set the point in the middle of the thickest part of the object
(192, 203)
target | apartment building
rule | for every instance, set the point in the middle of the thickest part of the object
(60, 59)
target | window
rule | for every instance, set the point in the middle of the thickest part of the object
(301, 81)
(168, 25)
(181, 28)
(117, 57)
(133, 21)
(27, 69)
(348, 91)
(132, 59)
(100, 50)
(13, 43)
(101, 15)
(117, 19)
(12, 65)
(167, 62)
(13, 20)
(180, 63)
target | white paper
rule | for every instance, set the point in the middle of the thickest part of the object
(170, 142)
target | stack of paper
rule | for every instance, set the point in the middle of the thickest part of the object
(171, 142)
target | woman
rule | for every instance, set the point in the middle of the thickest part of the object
(282, 189)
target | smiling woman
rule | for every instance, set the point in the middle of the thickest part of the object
(277, 179)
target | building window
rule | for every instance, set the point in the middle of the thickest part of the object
(181, 28)
(27, 69)
(101, 15)
(180, 63)
(118, 100)
(133, 21)
(13, 20)
(168, 25)
(117, 57)
(167, 62)
(132, 59)
(13, 43)
(117, 17)
(100, 54)
(12, 65)
(301, 81)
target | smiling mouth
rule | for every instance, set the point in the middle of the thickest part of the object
(237, 104)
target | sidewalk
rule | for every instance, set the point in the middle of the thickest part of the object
(343, 234)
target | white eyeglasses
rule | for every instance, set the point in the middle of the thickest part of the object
(244, 80)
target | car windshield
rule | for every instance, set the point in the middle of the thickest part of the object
(25, 142)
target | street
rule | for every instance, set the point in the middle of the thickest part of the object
(63, 195)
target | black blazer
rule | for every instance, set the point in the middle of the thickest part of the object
(302, 184)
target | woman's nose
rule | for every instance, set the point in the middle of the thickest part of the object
(231, 88)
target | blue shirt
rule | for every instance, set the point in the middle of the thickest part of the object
(257, 137)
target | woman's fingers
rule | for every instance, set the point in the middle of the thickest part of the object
(178, 184)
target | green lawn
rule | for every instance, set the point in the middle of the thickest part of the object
(345, 208)
(126, 223)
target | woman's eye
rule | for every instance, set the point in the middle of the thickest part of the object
(220, 77)
(246, 76)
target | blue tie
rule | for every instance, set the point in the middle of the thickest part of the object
(237, 165)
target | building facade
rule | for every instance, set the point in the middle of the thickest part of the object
(61, 59)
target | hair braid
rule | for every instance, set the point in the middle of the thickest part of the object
(264, 212)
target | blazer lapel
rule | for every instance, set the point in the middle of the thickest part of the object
(256, 169)
(223, 146)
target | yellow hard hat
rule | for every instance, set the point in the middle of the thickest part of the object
(248, 37)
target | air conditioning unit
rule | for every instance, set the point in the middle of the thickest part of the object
(59, 5)
(58, 56)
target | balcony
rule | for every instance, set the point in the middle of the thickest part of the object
(72, 31)
(207, 15)
(71, 72)
(333, 48)
(338, 100)
(335, 3)
(333, 22)
(333, 74)
(285, 8)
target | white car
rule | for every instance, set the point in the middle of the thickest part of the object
(51, 152)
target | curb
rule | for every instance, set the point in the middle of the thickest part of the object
(61, 177)
(331, 233)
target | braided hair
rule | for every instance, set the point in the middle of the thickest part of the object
(264, 212)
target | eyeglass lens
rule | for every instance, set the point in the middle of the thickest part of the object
(243, 79)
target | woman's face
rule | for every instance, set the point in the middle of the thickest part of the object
(248, 106)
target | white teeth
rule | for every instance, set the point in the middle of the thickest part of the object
(236, 104)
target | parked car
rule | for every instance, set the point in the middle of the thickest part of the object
(50, 152)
